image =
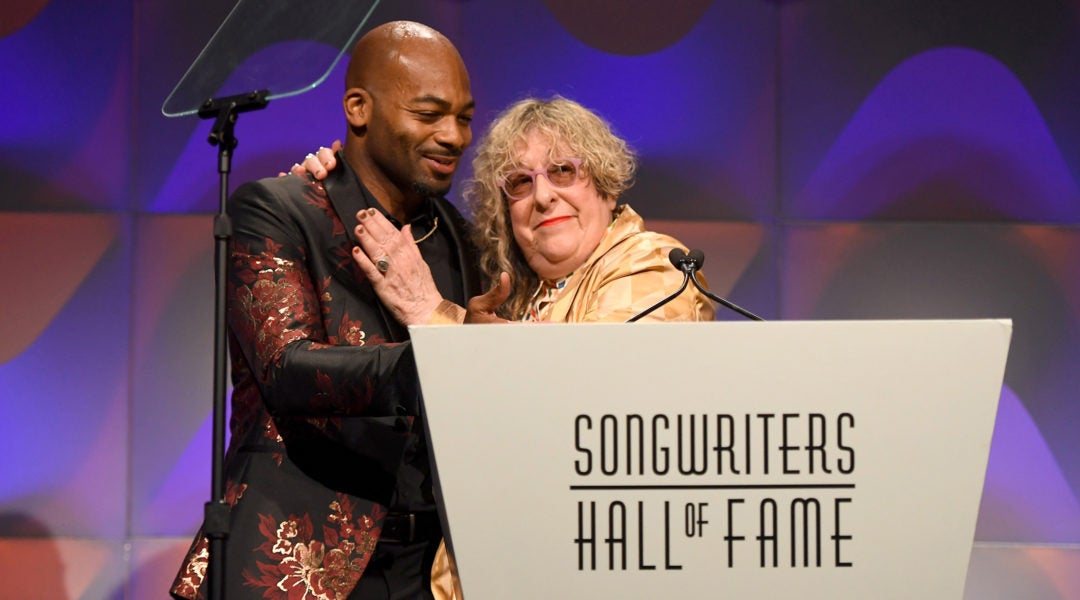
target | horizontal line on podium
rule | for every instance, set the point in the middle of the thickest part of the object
(707, 486)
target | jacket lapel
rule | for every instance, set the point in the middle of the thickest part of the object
(343, 188)
(346, 196)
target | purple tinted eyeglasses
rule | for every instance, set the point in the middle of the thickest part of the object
(560, 172)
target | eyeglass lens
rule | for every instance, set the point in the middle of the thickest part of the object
(519, 183)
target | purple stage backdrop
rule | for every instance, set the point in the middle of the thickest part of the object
(836, 159)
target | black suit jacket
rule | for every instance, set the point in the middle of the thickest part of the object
(325, 389)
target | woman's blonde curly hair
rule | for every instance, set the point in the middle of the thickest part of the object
(572, 131)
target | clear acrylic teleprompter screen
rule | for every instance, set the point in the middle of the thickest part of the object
(283, 46)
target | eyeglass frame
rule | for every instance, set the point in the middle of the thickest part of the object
(576, 162)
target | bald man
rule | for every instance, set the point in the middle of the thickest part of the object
(327, 471)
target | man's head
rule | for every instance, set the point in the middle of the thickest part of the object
(409, 109)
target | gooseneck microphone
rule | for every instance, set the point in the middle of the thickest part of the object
(690, 264)
(685, 280)
(687, 263)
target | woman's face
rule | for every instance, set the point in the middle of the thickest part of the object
(557, 228)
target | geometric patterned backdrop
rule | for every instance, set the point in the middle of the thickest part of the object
(835, 159)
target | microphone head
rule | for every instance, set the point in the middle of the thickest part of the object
(677, 256)
(698, 257)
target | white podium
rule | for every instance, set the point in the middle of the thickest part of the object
(709, 460)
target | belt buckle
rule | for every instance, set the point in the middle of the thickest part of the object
(412, 527)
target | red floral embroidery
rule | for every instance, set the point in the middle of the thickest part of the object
(326, 394)
(324, 295)
(316, 196)
(345, 260)
(302, 567)
(187, 583)
(234, 492)
(271, 308)
(376, 339)
(350, 332)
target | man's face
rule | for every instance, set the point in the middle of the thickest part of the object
(421, 122)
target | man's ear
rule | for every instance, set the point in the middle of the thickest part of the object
(357, 103)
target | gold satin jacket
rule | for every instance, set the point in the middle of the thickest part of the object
(627, 273)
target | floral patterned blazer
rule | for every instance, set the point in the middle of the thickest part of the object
(325, 391)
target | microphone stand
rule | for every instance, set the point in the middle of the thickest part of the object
(691, 263)
(742, 311)
(216, 512)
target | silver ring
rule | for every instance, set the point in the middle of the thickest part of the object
(383, 264)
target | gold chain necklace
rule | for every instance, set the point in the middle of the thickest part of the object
(434, 226)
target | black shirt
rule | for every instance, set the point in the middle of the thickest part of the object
(413, 491)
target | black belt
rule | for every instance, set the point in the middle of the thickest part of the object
(406, 528)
